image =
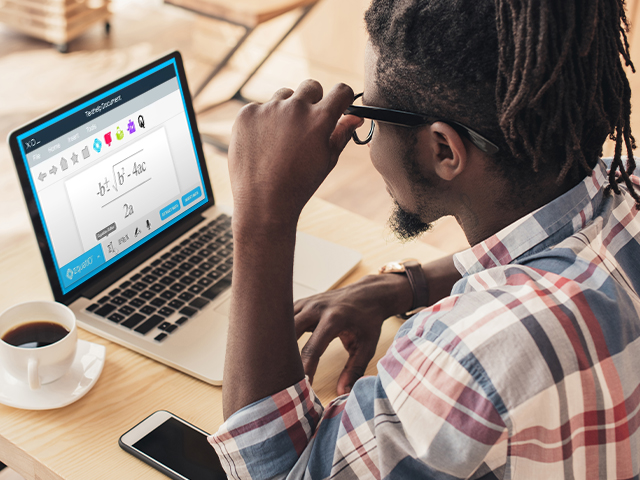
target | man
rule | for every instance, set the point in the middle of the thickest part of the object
(529, 369)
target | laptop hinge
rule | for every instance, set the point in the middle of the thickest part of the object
(141, 254)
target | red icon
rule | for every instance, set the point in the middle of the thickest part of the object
(107, 138)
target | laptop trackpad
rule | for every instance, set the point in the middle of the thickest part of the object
(224, 307)
(299, 291)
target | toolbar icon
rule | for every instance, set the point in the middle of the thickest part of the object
(53, 170)
(107, 139)
(85, 152)
(141, 121)
(42, 176)
(119, 134)
(97, 145)
(131, 127)
(64, 164)
(74, 158)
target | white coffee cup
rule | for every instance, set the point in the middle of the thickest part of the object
(40, 365)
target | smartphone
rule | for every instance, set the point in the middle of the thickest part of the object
(174, 446)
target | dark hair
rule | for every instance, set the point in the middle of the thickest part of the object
(541, 79)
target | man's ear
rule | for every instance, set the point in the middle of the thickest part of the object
(449, 150)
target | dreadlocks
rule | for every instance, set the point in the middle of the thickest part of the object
(542, 79)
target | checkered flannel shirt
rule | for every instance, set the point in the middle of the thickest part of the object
(529, 370)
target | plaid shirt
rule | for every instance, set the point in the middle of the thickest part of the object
(529, 370)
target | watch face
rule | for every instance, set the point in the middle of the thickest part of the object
(392, 267)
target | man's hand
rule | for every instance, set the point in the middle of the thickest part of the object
(354, 314)
(282, 150)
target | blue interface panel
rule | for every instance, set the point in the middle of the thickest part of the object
(114, 172)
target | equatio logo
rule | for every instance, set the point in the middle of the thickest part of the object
(69, 273)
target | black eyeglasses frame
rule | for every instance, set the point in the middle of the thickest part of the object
(410, 119)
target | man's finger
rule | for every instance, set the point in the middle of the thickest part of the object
(305, 321)
(315, 347)
(337, 100)
(355, 368)
(299, 305)
(282, 94)
(343, 132)
(310, 90)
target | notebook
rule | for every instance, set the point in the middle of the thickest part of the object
(132, 241)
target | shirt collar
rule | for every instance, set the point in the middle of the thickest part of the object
(538, 230)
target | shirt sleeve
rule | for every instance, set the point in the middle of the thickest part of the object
(425, 415)
(265, 439)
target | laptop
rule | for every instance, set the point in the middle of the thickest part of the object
(118, 192)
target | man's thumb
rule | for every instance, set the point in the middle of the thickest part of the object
(343, 132)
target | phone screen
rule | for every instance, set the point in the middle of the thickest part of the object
(183, 450)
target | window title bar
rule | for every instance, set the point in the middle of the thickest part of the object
(99, 107)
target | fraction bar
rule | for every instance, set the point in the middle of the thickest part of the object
(119, 196)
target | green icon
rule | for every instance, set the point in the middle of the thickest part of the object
(119, 133)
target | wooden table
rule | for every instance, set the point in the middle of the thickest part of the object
(80, 441)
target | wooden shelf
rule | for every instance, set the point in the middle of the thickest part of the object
(55, 21)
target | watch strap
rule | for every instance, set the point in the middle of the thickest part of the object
(418, 282)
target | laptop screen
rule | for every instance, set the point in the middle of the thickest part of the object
(113, 172)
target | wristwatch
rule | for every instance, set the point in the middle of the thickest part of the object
(413, 270)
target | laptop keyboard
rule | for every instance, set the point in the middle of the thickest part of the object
(184, 279)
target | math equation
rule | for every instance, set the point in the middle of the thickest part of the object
(129, 186)
(127, 175)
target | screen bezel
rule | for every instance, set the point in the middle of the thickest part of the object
(159, 240)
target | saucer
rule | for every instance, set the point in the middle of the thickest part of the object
(83, 374)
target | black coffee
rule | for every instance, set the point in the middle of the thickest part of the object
(35, 334)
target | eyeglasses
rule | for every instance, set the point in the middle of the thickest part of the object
(409, 119)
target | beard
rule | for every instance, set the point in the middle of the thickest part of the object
(405, 225)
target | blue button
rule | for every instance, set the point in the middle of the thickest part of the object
(169, 210)
(191, 196)
(82, 266)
